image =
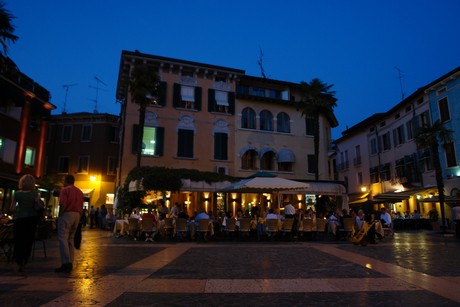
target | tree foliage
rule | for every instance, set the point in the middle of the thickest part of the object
(6, 28)
(143, 86)
(431, 137)
(164, 179)
(317, 99)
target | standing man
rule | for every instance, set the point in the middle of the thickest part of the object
(70, 209)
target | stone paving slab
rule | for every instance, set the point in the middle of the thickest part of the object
(433, 255)
(376, 298)
(259, 262)
(113, 271)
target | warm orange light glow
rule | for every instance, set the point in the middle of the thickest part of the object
(92, 178)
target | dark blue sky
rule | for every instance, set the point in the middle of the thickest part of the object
(354, 45)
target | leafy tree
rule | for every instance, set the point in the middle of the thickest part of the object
(431, 137)
(143, 86)
(317, 99)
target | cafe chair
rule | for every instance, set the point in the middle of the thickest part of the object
(133, 228)
(181, 229)
(307, 228)
(7, 240)
(42, 233)
(203, 228)
(148, 229)
(348, 227)
(272, 228)
(230, 227)
(168, 227)
(286, 228)
(245, 227)
(321, 226)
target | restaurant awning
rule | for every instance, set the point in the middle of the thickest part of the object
(358, 198)
(400, 196)
(435, 199)
(323, 188)
(391, 197)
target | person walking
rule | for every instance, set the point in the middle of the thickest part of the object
(25, 220)
(71, 201)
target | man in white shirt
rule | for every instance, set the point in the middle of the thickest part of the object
(289, 211)
(385, 217)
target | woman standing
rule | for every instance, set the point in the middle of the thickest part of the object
(25, 220)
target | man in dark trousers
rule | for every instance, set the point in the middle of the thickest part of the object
(70, 209)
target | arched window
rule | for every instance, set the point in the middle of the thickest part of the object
(248, 119)
(283, 123)
(266, 120)
(267, 161)
(248, 160)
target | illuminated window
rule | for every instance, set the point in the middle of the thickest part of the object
(29, 158)
(149, 141)
(152, 141)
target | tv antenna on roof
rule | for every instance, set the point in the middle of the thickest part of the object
(259, 62)
(98, 88)
(400, 76)
(66, 87)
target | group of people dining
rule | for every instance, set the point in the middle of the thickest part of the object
(218, 224)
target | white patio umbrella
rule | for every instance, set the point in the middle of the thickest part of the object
(266, 185)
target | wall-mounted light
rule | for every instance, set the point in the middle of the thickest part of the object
(92, 178)
(363, 189)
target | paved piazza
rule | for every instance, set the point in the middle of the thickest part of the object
(411, 269)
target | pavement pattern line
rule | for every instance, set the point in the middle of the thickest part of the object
(299, 285)
(134, 279)
(439, 285)
(114, 285)
(137, 278)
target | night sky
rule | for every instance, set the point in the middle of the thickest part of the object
(362, 47)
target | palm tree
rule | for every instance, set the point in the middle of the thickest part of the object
(317, 99)
(432, 137)
(143, 86)
(6, 28)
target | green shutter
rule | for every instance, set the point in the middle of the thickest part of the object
(177, 97)
(231, 103)
(159, 141)
(162, 93)
(211, 100)
(198, 98)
